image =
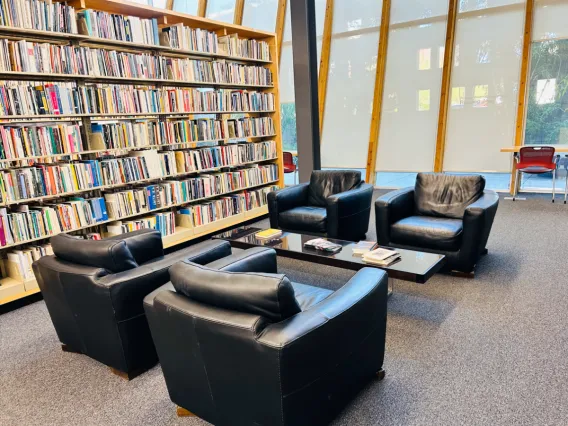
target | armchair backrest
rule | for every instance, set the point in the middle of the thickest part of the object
(324, 183)
(444, 195)
(268, 295)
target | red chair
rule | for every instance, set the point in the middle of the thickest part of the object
(537, 160)
(289, 165)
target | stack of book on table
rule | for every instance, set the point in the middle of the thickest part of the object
(323, 245)
(381, 257)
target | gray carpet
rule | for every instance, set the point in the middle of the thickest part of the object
(488, 351)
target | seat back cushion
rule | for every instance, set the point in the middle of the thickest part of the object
(112, 255)
(443, 195)
(268, 295)
(330, 182)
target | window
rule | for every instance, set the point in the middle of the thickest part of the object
(186, 6)
(221, 10)
(490, 47)
(260, 14)
(349, 101)
(424, 59)
(424, 100)
(409, 123)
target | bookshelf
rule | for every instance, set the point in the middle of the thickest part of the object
(117, 96)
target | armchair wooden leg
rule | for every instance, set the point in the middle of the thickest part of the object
(182, 412)
(460, 274)
(127, 376)
(381, 374)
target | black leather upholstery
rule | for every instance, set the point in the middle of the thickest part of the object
(446, 195)
(231, 367)
(112, 255)
(336, 204)
(97, 311)
(461, 237)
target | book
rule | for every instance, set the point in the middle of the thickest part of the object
(381, 257)
(323, 245)
(268, 234)
(363, 247)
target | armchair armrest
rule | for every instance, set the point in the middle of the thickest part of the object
(286, 199)
(144, 244)
(389, 209)
(477, 222)
(348, 325)
(258, 259)
(348, 213)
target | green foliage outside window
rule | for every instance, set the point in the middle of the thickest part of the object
(288, 118)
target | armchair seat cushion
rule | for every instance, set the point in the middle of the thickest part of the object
(307, 218)
(428, 232)
(308, 296)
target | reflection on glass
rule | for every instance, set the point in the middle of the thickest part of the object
(352, 15)
(483, 52)
(424, 100)
(441, 52)
(186, 6)
(480, 96)
(221, 10)
(547, 116)
(458, 96)
(424, 59)
(469, 5)
(260, 14)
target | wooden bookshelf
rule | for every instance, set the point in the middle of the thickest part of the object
(12, 288)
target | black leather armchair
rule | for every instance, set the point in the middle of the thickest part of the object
(446, 214)
(240, 344)
(94, 292)
(335, 204)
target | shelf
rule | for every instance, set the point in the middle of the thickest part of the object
(12, 289)
(17, 119)
(190, 145)
(184, 203)
(38, 76)
(118, 185)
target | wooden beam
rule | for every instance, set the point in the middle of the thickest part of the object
(378, 94)
(239, 8)
(280, 22)
(324, 61)
(523, 86)
(202, 8)
(446, 92)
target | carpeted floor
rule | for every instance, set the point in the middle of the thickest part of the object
(488, 351)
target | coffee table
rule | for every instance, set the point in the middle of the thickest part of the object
(413, 266)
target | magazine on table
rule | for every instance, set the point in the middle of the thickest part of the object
(323, 245)
(381, 256)
(363, 247)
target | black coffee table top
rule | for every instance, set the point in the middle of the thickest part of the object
(413, 266)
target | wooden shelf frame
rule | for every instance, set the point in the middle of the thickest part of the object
(165, 17)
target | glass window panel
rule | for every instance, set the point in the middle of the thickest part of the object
(221, 10)
(158, 3)
(550, 17)
(469, 5)
(351, 15)
(412, 10)
(407, 137)
(260, 14)
(348, 105)
(485, 122)
(186, 6)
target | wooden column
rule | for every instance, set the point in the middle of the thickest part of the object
(378, 94)
(522, 96)
(446, 91)
(239, 8)
(280, 22)
(170, 4)
(202, 8)
(324, 61)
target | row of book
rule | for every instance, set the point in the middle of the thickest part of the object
(111, 26)
(26, 56)
(222, 156)
(43, 15)
(28, 222)
(18, 263)
(170, 193)
(50, 179)
(233, 45)
(164, 222)
(37, 98)
(41, 140)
